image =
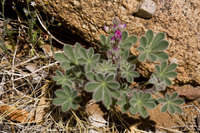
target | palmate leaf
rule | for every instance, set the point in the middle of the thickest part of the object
(123, 102)
(159, 85)
(152, 47)
(62, 79)
(128, 71)
(127, 41)
(88, 59)
(66, 98)
(165, 72)
(171, 103)
(104, 89)
(69, 52)
(69, 56)
(63, 60)
(105, 42)
(140, 102)
(106, 67)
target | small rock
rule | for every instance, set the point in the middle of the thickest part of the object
(189, 92)
(146, 9)
(95, 117)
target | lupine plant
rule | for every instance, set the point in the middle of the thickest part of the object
(108, 73)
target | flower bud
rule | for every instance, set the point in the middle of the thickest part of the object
(106, 28)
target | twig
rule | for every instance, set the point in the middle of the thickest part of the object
(22, 63)
(168, 129)
(27, 75)
(48, 32)
(13, 64)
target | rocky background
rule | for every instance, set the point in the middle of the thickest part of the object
(84, 21)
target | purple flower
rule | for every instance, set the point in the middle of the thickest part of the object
(115, 48)
(113, 39)
(118, 35)
(106, 28)
(122, 26)
(114, 26)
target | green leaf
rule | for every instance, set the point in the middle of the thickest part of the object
(124, 35)
(125, 54)
(141, 49)
(143, 42)
(163, 66)
(171, 109)
(171, 74)
(178, 109)
(171, 67)
(149, 35)
(157, 39)
(106, 67)
(90, 76)
(59, 93)
(178, 101)
(103, 88)
(140, 102)
(107, 99)
(90, 52)
(89, 59)
(91, 86)
(113, 85)
(100, 77)
(143, 112)
(58, 101)
(83, 52)
(142, 57)
(103, 40)
(161, 100)
(66, 98)
(62, 79)
(61, 57)
(164, 108)
(115, 94)
(167, 81)
(150, 105)
(152, 48)
(128, 71)
(132, 39)
(162, 45)
(161, 55)
(110, 78)
(65, 106)
(77, 49)
(173, 96)
(163, 74)
(171, 103)
(69, 52)
(98, 94)
(126, 44)
(152, 57)
(96, 57)
(133, 110)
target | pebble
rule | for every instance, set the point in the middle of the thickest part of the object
(146, 9)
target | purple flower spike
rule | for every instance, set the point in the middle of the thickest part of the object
(118, 34)
(113, 39)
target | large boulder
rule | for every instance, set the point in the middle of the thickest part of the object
(179, 19)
